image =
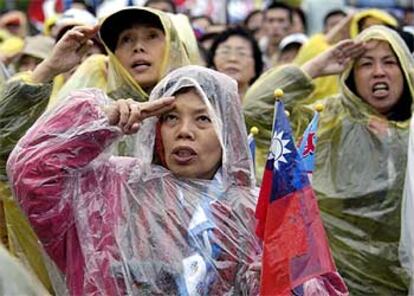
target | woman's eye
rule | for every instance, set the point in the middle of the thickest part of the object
(169, 118)
(126, 39)
(204, 119)
(390, 62)
(365, 64)
(153, 35)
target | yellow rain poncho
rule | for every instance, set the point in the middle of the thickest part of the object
(108, 74)
(359, 174)
(329, 85)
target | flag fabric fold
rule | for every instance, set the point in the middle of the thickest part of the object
(251, 141)
(295, 247)
(307, 145)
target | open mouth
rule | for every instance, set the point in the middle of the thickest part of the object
(380, 89)
(183, 155)
(141, 66)
(231, 70)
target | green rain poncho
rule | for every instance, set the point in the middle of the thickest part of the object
(359, 173)
(20, 105)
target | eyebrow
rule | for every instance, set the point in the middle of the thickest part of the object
(200, 110)
(390, 56)
(236, 47)
(195, 111)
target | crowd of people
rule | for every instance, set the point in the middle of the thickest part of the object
(124, 160)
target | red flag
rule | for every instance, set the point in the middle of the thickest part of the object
(295, 244)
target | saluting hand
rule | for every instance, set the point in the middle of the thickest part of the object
(128, 114)
(334, 60)
(66, 54)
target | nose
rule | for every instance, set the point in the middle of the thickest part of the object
(185, 130)
(139, 46)
(378, 70)
(233, 56)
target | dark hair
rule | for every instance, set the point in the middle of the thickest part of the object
(169, 2)
(401, 111)
(302, 17)
(90, 8)
(250, 15)
(243, 33)
(407, 37)
(279, 5)
(332, 13)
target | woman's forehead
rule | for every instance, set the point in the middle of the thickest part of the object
(189, 94)
(378, 47)
(236, 41)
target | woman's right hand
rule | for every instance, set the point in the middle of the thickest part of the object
(128, 114)
(67, 53)
(334, 60)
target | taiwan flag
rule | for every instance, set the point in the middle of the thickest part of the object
(295, 247)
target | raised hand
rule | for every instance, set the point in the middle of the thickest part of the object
(66, 54)
(128, 114)
(340, 31)
(334, 60)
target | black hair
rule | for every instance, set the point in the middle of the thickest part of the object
(302, 17)
(208, 36)
(250, 15)
(407, 37)
(169, 2)
(332, 13)
(243, 33)
(88, 5)
(401, 111)
(116, 23)
(278, 5)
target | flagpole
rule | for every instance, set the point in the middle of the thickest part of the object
(277, 95)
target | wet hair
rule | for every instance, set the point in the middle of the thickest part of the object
(278, 5)
(169, 2)
(243, 33)
(332, 13)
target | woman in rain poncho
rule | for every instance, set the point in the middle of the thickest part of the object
(177, 220)
(349, 27)
(360, 155)
(116, 76)
(24, 100)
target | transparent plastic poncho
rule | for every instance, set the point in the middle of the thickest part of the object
(121, 225)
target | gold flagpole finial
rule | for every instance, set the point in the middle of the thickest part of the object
(319, 107)
(254, 131)
(278, 93)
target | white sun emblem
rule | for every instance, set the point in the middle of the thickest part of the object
(278, 149)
